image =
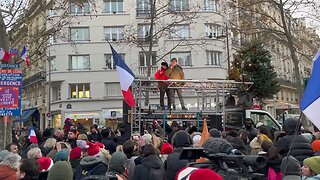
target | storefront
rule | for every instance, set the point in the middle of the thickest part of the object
(112, 117)
(87, 119)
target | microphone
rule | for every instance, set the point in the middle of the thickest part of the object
(228, 148)
(217, 145)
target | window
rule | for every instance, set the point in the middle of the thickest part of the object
(179, 5)
(53, 64)
(211, 5)
(113, 6)
(79, 34)
(113, 33)
(265, 119)
(79, 62)
(179, 31)
(213, 30)
(143, 59)
(78, 91)
(56, 92)
(143, 8)
(143, 31)
(214, 58)
(110, 64)
(184, 58)
(113, 89)
(52, 40)
(78, 8)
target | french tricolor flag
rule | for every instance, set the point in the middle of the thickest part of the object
(24, 56)
(4, 55)
(126, 78)
(310, 104)
(32, 136)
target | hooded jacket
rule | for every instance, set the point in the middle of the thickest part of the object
(88, 163)
(141, 172)
(301, 148)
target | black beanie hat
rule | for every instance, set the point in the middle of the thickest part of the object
(181, 139)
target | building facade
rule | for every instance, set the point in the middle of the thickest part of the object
(263, 21)
(84, 84)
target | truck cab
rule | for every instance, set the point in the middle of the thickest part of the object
(234, 119)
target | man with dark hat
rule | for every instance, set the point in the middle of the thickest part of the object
(163, 86)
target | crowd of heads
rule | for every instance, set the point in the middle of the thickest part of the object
(77, 153)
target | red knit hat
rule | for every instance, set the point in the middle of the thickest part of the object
(192, 173)
(75, 153)
(45, 163)
(166, 148)
(93, 149)
(316, 146)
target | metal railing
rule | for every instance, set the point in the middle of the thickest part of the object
(206, 93)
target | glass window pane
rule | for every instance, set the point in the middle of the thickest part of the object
(73, 91)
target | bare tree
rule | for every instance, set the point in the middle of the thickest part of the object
(273, 21)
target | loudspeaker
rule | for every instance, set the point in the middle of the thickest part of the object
(215, 122)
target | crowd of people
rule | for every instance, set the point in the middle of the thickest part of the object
(77, 153)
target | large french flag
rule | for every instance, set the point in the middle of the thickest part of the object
(126, 78)
(24, 56)
(4, 55)
(32, 136)
(310, 104)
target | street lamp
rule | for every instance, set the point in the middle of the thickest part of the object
(228, 50)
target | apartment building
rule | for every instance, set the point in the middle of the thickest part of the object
(84, 85)
(263, 21)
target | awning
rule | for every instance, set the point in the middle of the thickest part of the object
(26, 114)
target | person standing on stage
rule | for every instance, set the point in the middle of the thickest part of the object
(163, 86)
(176, 72)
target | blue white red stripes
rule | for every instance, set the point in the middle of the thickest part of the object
(4, 55)
(32, 136)
(24, 56)
(126, 77)
(310, 104)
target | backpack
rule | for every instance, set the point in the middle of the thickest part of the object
(155, 174)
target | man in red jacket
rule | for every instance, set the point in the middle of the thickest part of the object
(163, 86)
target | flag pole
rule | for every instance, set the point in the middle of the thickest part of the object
(291, 145)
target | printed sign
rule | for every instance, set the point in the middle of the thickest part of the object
(10, 90)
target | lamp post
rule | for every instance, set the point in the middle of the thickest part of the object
(49, 91)
(228, 50)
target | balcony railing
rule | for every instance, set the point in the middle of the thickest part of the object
(143, 70)
(143, 13)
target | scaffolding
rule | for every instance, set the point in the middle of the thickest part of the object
(210, 97)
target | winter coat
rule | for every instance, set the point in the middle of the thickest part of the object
(238, 144)
(141, 172)
(173, 165)
(175, 73)
(301, 148)
(130, 164)
(161, 75)
(109, 145)
(75, 163)
(88, 163)
(317, 177)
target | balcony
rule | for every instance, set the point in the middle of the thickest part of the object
(38, 77)
(143, 70)
(143, 13)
